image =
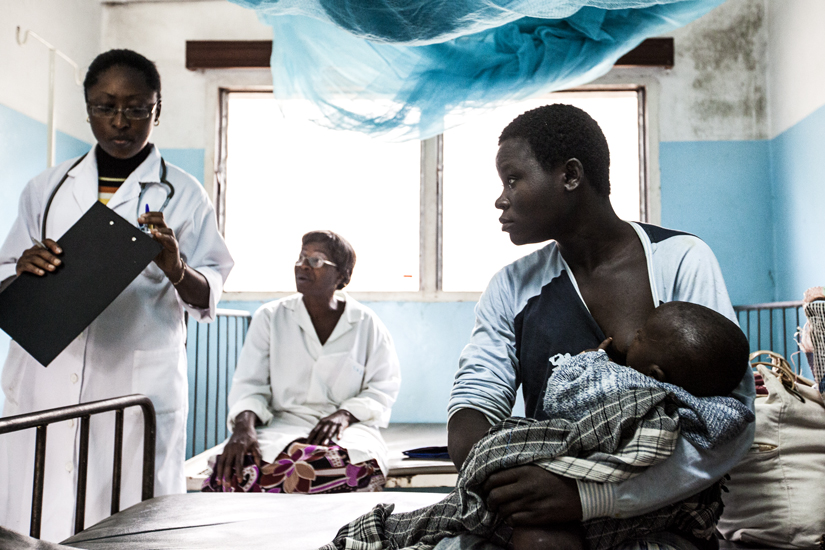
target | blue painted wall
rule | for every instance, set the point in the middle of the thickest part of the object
(188, 160)
(798, 179)
(721, 192)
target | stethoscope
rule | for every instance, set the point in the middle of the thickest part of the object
(143, 185)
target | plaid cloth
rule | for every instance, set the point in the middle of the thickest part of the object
(608, 423)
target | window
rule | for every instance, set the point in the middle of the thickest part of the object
(474, 246)
(287, 177)
(419, 215)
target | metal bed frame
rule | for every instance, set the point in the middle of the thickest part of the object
(773, 326)
(84, 411)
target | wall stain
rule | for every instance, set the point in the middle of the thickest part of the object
(729, 63)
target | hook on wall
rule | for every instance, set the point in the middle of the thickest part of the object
(78, 75)
(53, 53)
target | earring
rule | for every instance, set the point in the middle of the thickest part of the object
(87, 119)
(157, 121)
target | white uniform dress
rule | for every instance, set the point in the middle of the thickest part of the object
(135, 346)
(290, 380)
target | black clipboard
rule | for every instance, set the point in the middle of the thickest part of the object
(102, 254)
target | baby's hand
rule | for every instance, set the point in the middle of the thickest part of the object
(602, 347)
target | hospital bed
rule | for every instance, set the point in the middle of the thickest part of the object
(404, 473)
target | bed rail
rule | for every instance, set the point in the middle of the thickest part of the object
(84, 411)
(772, 326)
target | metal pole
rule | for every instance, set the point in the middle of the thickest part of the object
(82, 470)
(51, 119)
(37, 486)
(118, 462)
(53, 53)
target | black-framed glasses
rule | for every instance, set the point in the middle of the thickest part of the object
(313, 261)
(132, 113)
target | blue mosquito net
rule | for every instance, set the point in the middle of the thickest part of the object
(409, 69)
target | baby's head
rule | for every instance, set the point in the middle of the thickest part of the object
(691, 346)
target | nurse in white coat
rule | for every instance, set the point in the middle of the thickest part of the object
(315, 365)
(137, 344)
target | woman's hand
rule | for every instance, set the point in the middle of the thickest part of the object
(244, 440)
(330, 427)
(602, 347)
(39, 260)
(169, 258)
(192, 287)
(532, 496)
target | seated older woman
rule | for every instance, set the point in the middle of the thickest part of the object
(315, 380)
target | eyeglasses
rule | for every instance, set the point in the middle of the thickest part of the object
(132, 113)
(314, 261)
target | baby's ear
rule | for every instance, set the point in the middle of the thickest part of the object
(657, 373)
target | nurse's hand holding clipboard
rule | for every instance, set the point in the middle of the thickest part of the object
(192, 287)
(40, 258)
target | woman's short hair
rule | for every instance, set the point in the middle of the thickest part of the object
(340, 252)
(122, 58)
(556, 133)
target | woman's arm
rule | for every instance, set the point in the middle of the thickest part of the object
(465, 428)
(192, 286)
(251, 389)
(18, 241)
(382, 377)
(485, 385)
(331, 427)
(243, 440)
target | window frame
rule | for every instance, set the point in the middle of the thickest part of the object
(431, 188)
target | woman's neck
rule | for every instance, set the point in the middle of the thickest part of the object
(320, 305)
(113, 167)
(324, 312)
(599, 236)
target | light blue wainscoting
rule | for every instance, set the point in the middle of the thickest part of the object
(798, 176)
(720, 191)
(188, 160)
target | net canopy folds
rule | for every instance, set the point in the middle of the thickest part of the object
(409, 69)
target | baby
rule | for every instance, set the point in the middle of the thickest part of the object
(684, 344)
(610, 419)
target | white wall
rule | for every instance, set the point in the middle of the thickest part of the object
(73, 27)
(717, 89)
(796, 61)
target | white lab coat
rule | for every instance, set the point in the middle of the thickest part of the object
(290, 380)
(135, 346)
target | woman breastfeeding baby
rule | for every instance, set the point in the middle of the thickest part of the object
(607, 423)
(598, 276)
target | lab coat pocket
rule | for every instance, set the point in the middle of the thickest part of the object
(335, 378)
(158, 375)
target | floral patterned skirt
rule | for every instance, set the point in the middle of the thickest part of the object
(302, 468)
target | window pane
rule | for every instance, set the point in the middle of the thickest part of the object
(286, 177)
(474, 247)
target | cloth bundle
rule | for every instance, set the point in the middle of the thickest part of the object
(302, 468)
(815, 312)
(607, 423)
